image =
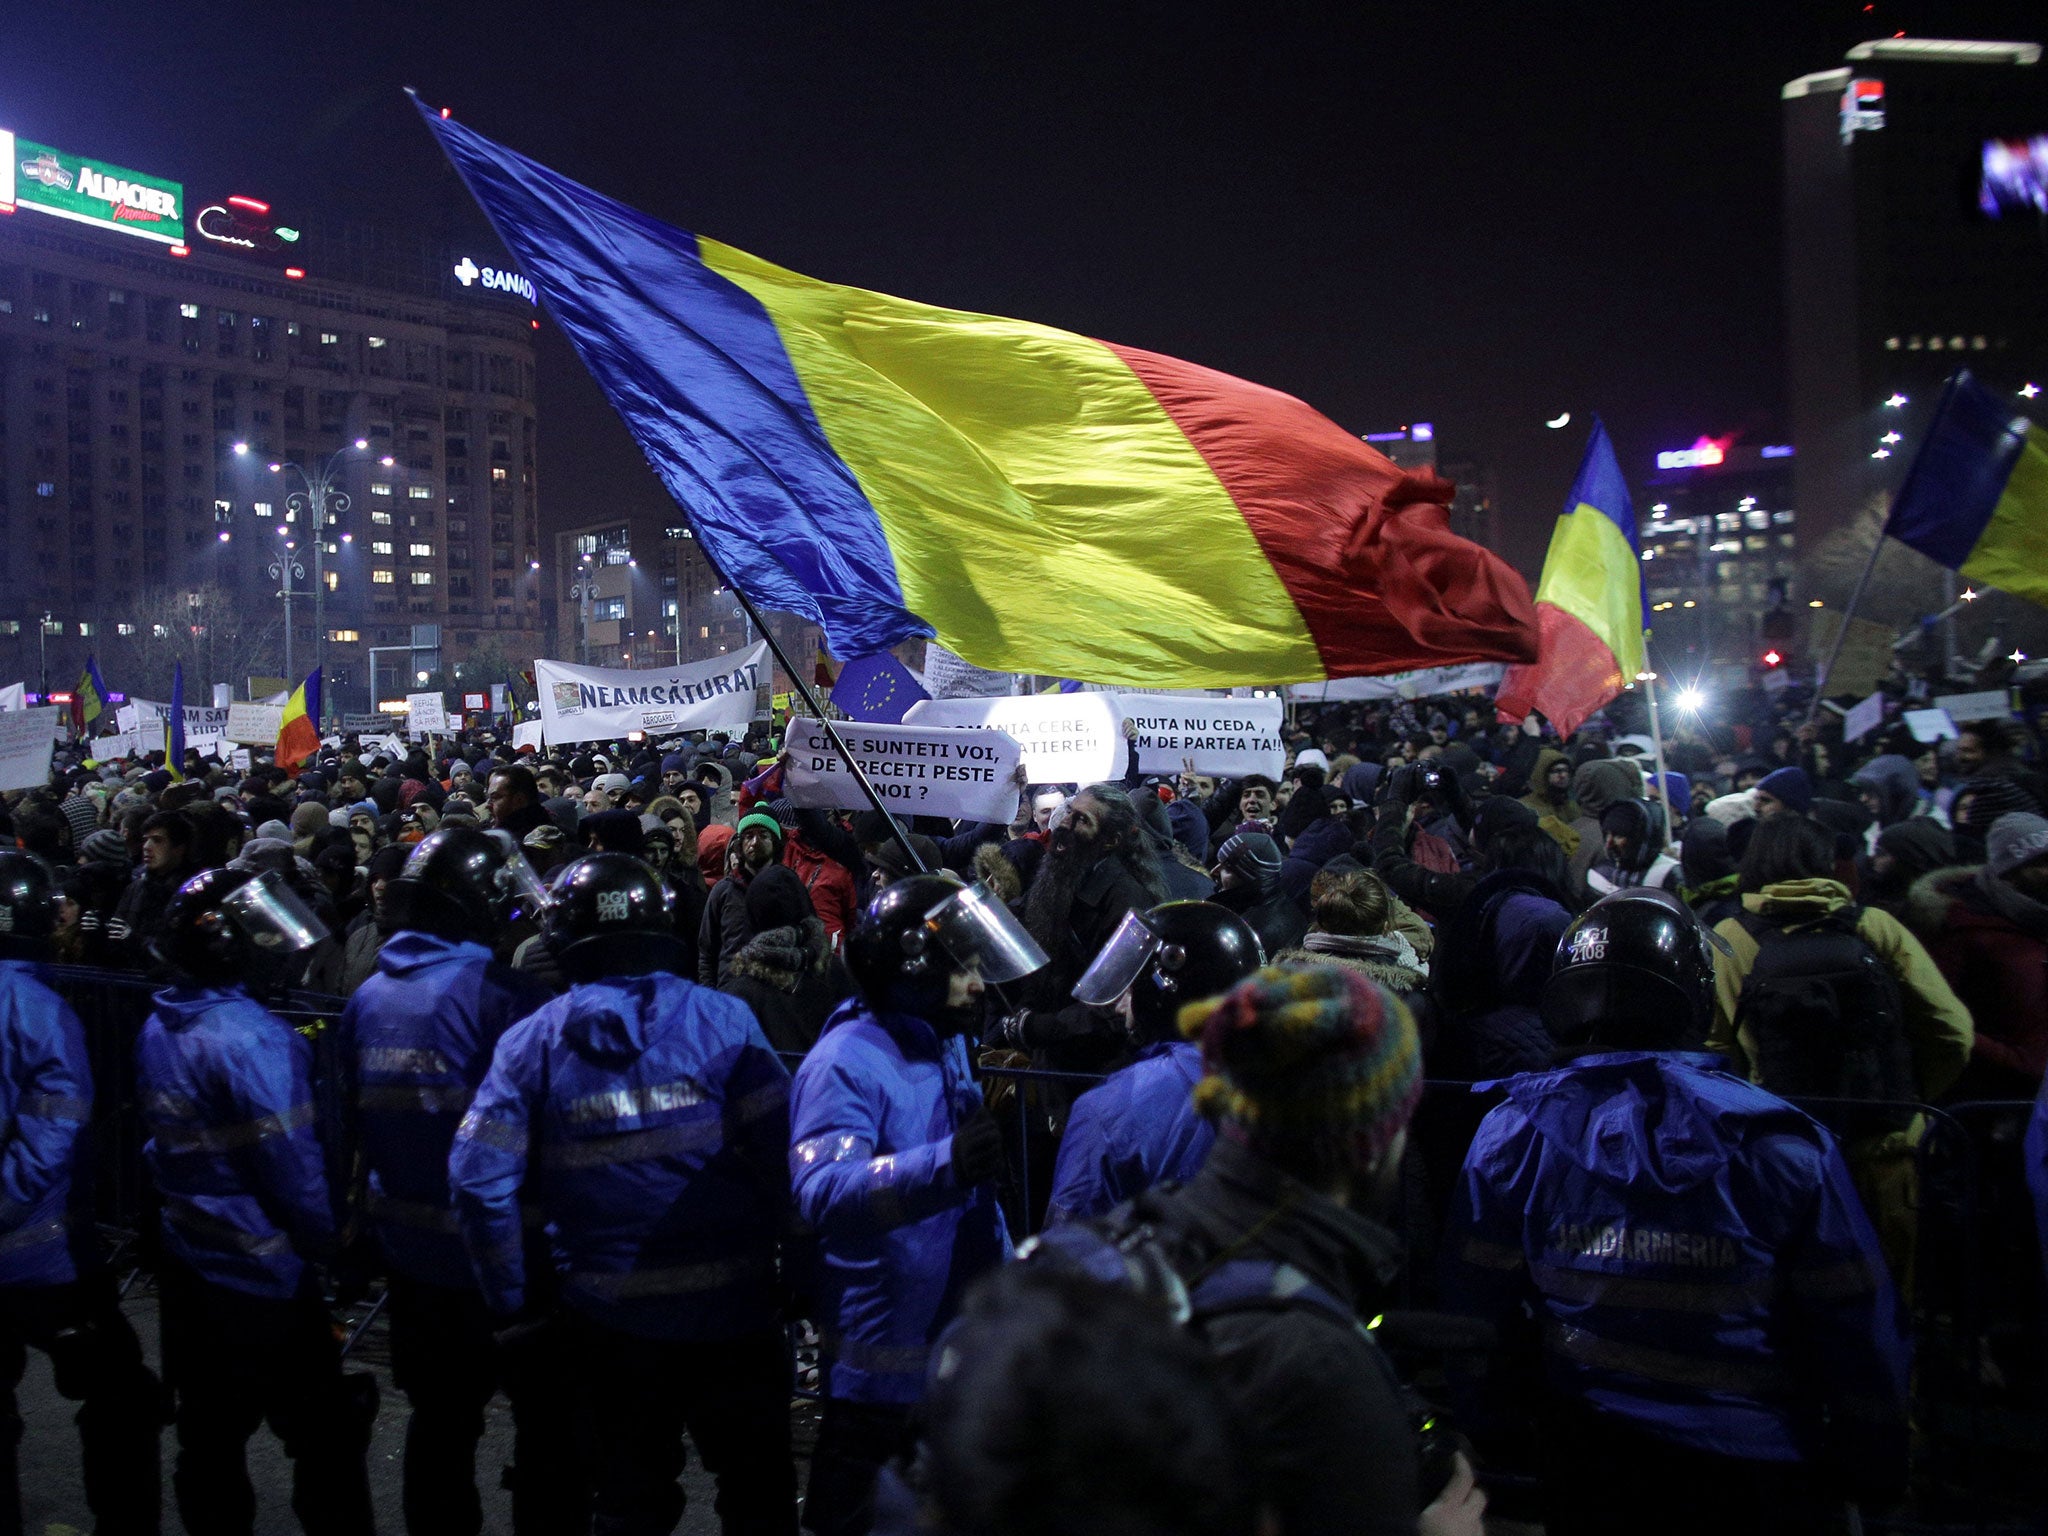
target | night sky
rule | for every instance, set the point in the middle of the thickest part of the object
(1474, 215)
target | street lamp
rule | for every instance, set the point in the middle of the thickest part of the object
(316, 497)
(286, 569)
(581, 591)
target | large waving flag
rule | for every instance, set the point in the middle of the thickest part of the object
(89, 698)
(1976, 498)
(298, 732)
(1036, 500)
(174, 725)
(1589, 602)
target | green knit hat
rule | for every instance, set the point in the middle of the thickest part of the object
(1316, 1066)
(765, 822)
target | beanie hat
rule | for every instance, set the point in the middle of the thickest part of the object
(105, 846)
(765, 822)
(1497, 813)
(2016, 838)
(1790, 785)
(777, 899)
(310, 818)
(1317, 1067)
(1987, 800)
(783, 812)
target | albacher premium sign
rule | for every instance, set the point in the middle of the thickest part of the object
(70, 186)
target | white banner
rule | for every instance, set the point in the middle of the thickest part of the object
(27, 738)
(212, 744)
(1991, 704)
(1931, 725)
(146, 718)
(1067, 738)
(528, 733)
(13, 698)
(254, 725)
(1224, 737)
(599, 703)
(947, 676)
(425, 712)
(105, 749)
(917, 770)
(1400, 685)
(1864, 718)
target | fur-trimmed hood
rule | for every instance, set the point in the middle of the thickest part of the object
(1931, 898)
(782, 957)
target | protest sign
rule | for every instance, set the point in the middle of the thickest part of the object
(1225, 737)
(1864, 718)
(918, 770)
(527, 733)
(146, 718)
(474, 703)
(13, 698)
(209, 744)
(239, 759)
(1931, 725)
(105, 749)
(1990, 704)
(1067, 738)
(27, 738)
(947, 676)
(357, 724)
(425, 712)
(599, 703)
(254, 725)
(1400, 685)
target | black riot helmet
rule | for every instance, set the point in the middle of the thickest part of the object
(231, 925)
(28, 906)
(464, 884)
(1635, 972)
(1180, 952)
(917, 933)
(610, 915)
(1255, 858)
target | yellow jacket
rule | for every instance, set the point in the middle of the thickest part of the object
(1938, 1028)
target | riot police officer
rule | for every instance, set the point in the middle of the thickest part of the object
(54, 1294)
(894, 1158)
(227, 1101)
(416, 1040)
(1140, 1128)
(1719, 1338)
(649, 1115)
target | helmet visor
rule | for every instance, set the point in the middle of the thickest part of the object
(1121, 962)
(273, 916)
(978, 933)
(519, 887)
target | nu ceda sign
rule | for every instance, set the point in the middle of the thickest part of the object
(68, 186)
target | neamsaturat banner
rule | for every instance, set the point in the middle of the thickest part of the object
(598, 703)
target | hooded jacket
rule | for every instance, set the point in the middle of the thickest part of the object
(46, 1217)
(1597, 785)
(1696, 1257)
(416, 1040)
(1566, 810)
(791, 980)
(872, 1118)
(1487, 977)
(1980, 936)
(1320, 841)
(829, 883)
(1937, 1025)
(1136, 1130)
(227, 1102)
(1895, 782)
(657, 1115)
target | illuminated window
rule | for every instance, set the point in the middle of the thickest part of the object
(420, 492)
(381, 578)
(124, 629)
(46, 487)
(343, 636)
(380, 547)
(263, 509)
(420, 551)
(329, 338)
(85, 630)
(423, 578)
(333, 579)
(189, 311)
(381, 516)
(497, 472)
(376, 341)
(379, 488)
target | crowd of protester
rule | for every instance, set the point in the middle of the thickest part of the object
(578, 981)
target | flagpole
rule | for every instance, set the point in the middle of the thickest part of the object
(1657, 737)
(1820, 683)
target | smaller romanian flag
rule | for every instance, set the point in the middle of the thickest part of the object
(1976, 498)
(298, 733)
(1589, 604)
(513, 708)
(174, 725)
(89, 698)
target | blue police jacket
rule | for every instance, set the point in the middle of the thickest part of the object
(45, 1103)
(416, 1040)
(872, 1118)
(1138, 1129)
(1695, 1255)
(227, 1101)
(2037, 1169)
(650, 1115)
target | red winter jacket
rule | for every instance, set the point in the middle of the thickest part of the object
(829, 882)
(1999, 970)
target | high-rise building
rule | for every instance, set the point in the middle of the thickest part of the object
(1901, 262)
(1719, 539)
(1415, 447)
(178, 371)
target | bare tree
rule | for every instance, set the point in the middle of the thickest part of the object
(206, 628)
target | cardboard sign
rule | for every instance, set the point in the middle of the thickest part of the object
(917, 770)
(1225, 737)
(474, 701)
(425, 712)
(27, 739)
(1067, 738)
(254, 725)
(1931, 725)
(1866, 658)
(105, 749)
(601, 703)
(1864, 718)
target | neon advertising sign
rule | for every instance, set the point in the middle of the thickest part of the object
(242, 223)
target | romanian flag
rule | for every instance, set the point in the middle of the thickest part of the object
(1036, 500)
(1976, 498)
(174, 725)
(512, 705)
(298, 733)
(89, 698)
(1589, 602)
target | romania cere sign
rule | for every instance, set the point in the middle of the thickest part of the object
(602, 703)
(68, 186)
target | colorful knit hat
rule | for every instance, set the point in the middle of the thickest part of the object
(1315, 1066)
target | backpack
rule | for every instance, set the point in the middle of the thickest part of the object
(1825, 1011)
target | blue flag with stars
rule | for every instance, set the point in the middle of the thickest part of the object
(878, 689)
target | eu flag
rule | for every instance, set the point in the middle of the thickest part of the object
(876, 688)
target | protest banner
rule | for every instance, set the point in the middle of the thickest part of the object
(947, 676)
(425, 712)
(27, 738)
(599, 703)
(13, 698)
(528, 733)
(146, 718)
(209, 744)
(1224, 737)
(1067, 738)
(919, 770)
(1864, 718)
(1990, 704)
(1400, 685)
(254, 725)
(357, 724)
(105, 749)
(1928, 725)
